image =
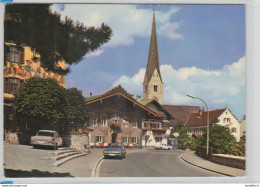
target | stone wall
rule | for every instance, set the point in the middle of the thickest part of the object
(229, 160)
(201, 151)
(77, 142)
(17, 138)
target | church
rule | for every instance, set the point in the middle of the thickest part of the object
(116, 116)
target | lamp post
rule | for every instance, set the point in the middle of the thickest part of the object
(194, 97)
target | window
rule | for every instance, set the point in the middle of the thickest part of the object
(224, 120)
(103, 122)
(145, 125)
(134, 140)
(98, 139)
(126, 123)
(13, 85)
(15, 54)
(93, 121)
(234, 130)
(158, 139)
(124, 139)
(228, 120)
(155, 87)
(134, 124)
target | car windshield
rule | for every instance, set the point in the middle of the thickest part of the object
(44, 133)
(115, 145)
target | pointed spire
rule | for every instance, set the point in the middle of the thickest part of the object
(153, 59)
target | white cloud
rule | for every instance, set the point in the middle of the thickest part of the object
(95, 53)
(126, 21)
(216, 87)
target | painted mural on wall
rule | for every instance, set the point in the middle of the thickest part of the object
(28, 70)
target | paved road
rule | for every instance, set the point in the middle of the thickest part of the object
(151, 163)
(24, 161)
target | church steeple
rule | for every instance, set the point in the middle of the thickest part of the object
(153, 58)
(153, 85)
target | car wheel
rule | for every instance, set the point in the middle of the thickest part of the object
(169, 148)
(35, 146)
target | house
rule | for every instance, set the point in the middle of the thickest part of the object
(18, 67)
(116, 116)
(196, 121)
(155, 129)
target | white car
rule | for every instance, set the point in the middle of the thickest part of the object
(163, 146)
(46, 138)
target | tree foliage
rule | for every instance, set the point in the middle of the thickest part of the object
(183, 138)
(41, 98)
(76, 108)
(54, 39)
(221, 141)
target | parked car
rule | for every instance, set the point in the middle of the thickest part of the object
(115, 150)
(46, 138)
(163, 146)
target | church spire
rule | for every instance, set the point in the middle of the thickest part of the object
(153, 58)
(153, 85)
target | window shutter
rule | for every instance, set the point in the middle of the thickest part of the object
(7, 54)
(6, 85)
(96, 139)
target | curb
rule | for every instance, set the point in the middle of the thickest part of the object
(204, 167)
(60, 162)
(93, 173)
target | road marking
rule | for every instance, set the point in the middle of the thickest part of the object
(95, 171)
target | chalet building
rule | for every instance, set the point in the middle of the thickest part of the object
(18, 67)
(196, 121)
(155, 128)
(116, 116)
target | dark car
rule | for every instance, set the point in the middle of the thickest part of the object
(115, 150)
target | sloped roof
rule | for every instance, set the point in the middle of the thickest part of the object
(194, 120)
(118, 90)
(180, 112)
(153, 58)
(146, 102)
(162, 111)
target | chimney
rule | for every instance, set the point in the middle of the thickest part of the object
(90, 94)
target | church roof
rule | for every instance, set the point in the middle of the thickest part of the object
(153, 58)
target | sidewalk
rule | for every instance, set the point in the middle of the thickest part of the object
(82, 166)
(191, 158)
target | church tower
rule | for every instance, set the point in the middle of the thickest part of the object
(153, 85)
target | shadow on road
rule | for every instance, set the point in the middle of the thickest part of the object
(34, 173)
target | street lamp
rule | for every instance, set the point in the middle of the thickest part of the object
(194, 97)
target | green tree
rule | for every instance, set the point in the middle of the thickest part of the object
(221, 140)
(76, 108)
(54, 39)
(41, 100)
(183, 138)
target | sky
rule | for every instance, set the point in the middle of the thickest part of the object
(201, 52)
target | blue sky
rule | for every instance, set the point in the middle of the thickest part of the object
(201, 52)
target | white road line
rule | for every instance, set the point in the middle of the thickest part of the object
(96, 168)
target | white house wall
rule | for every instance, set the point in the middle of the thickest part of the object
(231, 123)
